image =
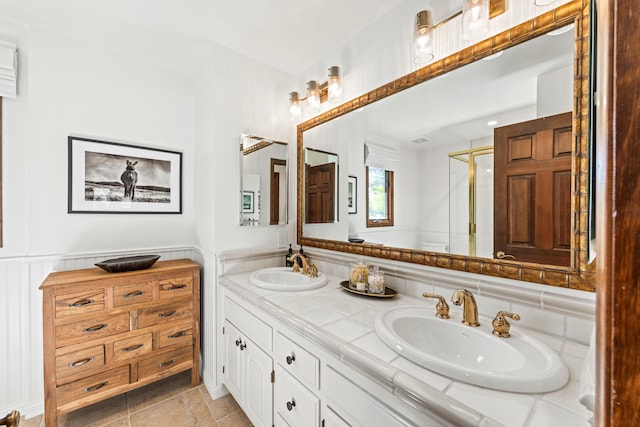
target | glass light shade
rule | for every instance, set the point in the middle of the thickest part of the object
(295, 109)
(475, 19)
(313, 97)
(423, 38)
(334, 84)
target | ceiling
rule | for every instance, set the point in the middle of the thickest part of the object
(289, 35)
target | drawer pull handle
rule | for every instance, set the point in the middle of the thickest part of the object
(167, 313)
(291, 359)
(82, 303)
(177, 335)
(133, 294)
(168, 363)
(238, 342)
(133, 347)
(291, 405)
(174, 287)
(96, 387)
(95, 328)
(80, 362)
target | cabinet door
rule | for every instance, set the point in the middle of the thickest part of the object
(233, 361)
(258, 388)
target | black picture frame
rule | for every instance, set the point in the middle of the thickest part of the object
(100, 171)
(248, 202)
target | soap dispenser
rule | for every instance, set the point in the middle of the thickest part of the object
(287, 258)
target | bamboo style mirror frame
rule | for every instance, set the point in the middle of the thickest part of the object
(580, 274)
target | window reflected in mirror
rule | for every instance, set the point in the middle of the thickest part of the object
(379, 197)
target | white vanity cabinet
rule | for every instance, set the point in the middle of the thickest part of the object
(248, 368)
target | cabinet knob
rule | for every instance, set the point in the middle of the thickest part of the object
(291, 359)
(238, 342)
(291, 405)
(242, 346)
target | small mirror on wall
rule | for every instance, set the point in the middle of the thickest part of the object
(264, 175)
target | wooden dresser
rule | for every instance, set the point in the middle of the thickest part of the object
(108, 333)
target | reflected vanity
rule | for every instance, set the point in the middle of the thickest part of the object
(264, 175)
(438, 123)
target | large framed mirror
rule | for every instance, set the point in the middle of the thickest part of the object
(489, 154)
(264, 173)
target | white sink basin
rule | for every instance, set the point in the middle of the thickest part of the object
(471, 354)
(283, 279)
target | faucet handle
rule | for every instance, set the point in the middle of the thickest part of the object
(313, 270)
(442, 308)
(501, 325)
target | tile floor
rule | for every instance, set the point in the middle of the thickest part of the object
(170, 402)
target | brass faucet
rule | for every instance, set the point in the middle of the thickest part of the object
(305, 263)
(442, 308)
(470, 312)
(501, 325)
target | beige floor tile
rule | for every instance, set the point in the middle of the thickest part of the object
(237, 419)
(186, 409)
(31, 422)
(99, 414)
(221, 407)
(122, 422)
(158, 391)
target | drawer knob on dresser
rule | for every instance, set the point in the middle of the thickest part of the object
(291, 405)
(291, 359)
(167, 363)
(174, 287)
(95, 328)
(81, 303)
(96, 387)
(177, 335)
(133, 294)
(167, 313)
(80, 362)
(133, 347)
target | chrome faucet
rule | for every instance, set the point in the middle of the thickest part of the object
(470, 309)
(305, 263)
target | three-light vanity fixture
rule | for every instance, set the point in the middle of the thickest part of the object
(330, 90)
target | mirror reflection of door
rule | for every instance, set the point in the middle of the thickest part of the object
(278, 177)
(532, 214)
(320, 193)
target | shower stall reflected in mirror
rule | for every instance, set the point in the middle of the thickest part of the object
(471, 202)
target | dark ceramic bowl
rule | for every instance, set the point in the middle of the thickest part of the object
(130, 263)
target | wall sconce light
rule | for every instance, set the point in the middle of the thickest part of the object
(330, 90)
(475, 23)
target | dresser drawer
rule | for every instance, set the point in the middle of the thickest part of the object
(177, 335)
(171, 362)
(132, 294)
(132, 347)
(79, 302)
(295, 359)
(90, 329)
(73, 365)
(294, 402)
(92, 387)
(164, 313)
(176, 287)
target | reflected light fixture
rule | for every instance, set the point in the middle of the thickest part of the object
(330, 90)
(475, 24)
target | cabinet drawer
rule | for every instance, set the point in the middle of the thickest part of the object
(132, 347)
(91, 387)
(258, 331)
(132, 294)
(69, 366)
(295, 359)
(294, 402)
(164, 313)
(79, 302)
(176, 287)
(90, 329)
(177, 335)
(173, 361)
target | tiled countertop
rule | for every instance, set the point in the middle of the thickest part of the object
(336, 317)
